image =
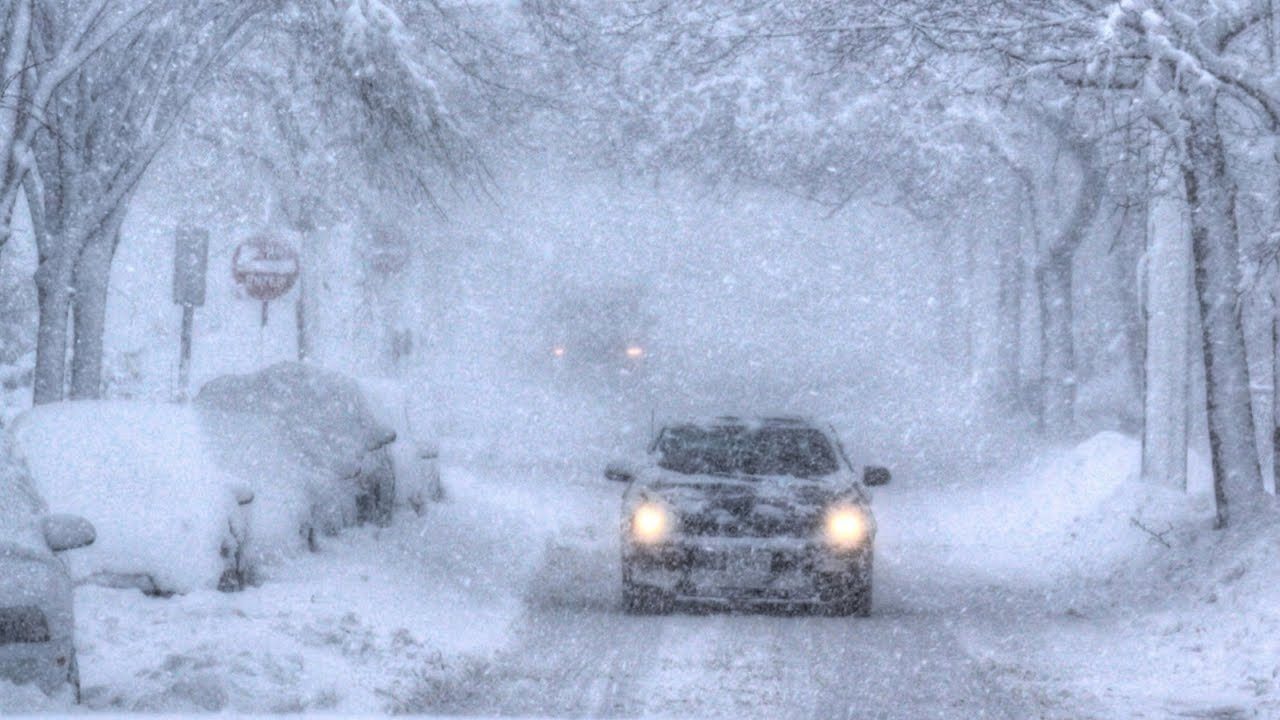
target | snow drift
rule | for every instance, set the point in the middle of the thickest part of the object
(1072, 514)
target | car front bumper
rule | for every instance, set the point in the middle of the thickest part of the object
(767, 571)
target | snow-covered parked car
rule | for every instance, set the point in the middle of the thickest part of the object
(415, 459)
(309, 446)
(754, 511)
(168, 519)
(37, 619)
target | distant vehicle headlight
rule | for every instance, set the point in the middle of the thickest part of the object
(635, 352)
(650, 523)
(846, 527)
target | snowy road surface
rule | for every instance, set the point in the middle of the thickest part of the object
(574, 653)
(588, 659)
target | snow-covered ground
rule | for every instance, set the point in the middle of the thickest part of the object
(348, 629)
(1094, 593)
(1026, 589)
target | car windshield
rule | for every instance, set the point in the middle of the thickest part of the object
(740, 450)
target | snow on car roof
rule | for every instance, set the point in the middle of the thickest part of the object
(749, 421)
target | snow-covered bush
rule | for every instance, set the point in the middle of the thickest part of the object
(168, 519)
(306, 442)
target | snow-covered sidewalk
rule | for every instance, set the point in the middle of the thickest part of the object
(1100, 595)
(347, 629)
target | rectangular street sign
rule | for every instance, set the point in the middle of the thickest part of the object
(190, 261)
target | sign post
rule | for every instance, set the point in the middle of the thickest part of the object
(190, 263)
(266, 268)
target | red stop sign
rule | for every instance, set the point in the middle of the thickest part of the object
(267, 268)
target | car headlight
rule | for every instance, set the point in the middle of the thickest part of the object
(846, 527)
(650, 523)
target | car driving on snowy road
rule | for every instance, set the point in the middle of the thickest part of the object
(747, 511)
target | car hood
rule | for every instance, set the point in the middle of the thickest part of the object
(745, 506)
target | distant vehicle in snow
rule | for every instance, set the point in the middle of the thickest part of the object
(600, 334)
(747, 511)
(168, 519)
(37, 619)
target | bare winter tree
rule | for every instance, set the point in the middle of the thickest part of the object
(35, 68)
(1181, 66)
(1095, 77)
(103, 125)
(345, 108)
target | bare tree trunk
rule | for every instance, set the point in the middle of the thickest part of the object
(1058, 356)
(1042, 344)
(1127, 254)
(1029, 248)
(1009, 320)
(948, 297)
(1055, 281)
(89, 311)
(1168, 303)
(1211, 196)
(13, 76)
(1275, 388)
(53, 294)
(53, 279)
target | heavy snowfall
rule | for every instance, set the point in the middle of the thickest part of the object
(640, 358)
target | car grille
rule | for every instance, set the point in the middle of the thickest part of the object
(720, 525)
(23, 624)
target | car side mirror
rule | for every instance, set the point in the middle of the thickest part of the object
(67, 532)
(244, 494)
(873, 475)
(619, 472)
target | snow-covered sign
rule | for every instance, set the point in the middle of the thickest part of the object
(265, 267)
(190, 257)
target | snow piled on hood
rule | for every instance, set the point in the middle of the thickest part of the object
(139, 473)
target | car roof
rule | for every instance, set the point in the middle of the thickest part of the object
(754, 421)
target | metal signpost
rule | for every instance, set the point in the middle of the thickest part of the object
(190, 261)
(266, 268)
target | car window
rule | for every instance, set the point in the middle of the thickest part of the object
(801, 452)
(739, 450)
(23, 624)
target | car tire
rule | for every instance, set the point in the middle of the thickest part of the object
(856, 603)
(857, 598)
(643, 599)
